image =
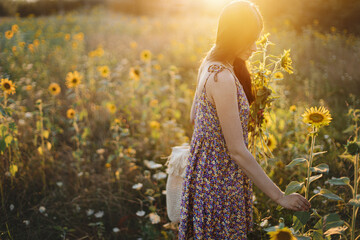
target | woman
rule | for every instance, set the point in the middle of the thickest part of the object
(217, 198)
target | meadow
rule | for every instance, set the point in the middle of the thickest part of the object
(92, 102)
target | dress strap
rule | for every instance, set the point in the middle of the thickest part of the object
(216, 68)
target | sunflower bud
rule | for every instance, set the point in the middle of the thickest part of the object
(352, 148)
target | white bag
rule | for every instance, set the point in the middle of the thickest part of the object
(177, 162)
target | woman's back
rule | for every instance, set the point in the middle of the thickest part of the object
(217, 197)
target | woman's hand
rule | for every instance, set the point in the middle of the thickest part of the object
(294, 201)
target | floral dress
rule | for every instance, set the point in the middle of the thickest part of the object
(217, 197)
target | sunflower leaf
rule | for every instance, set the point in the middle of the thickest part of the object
(339, 181)
(293, 186)
(330, 195)
(318, 153)
(295, 162)
(321, 168)
(315, 177)
(300, 218)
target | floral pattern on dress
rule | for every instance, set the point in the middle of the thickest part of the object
(217, 196)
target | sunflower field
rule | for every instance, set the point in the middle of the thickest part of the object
(93, 101)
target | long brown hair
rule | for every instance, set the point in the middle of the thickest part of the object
(239, 24)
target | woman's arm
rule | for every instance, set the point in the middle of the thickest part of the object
(224, 93)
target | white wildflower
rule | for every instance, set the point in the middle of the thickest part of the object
(99, 214)
(89, 212)
(159, 175)
(154, 218)
(140, 213)
(152, 164)
(137, 186)
(42, 209)
(115, 230)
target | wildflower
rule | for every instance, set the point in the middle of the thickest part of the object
(42, 209)
(108, 165)
(292, 108)
(31, 47)
(100, 151)
(152, 164)
(89, 212)
(154, 218)
(140, 213)
(160, 56)
(282, 234)
(67, 37)
(154, 124)
(137, 186)
(133, 44)
(54, 89)
(286, 61)
(157, 67)
(9, 34)
(97, 52)
(104, 71)
(145, 55)
(28, 87)
(159, 175)
(8, 86)
(36, 42)
(73, 79)
(111, 107)
(134, 73)
(70, 113)
(99, 214)
(153, 102)
(317, 117)
(79, 36)
(115, 230)
(13, 169)
(279, 75)
(14, 28)
(22, 44)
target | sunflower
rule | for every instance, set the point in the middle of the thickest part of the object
(9, 34)
(8, 86)
(133, 44)
(14, 28)
(263, 40)
(282, 234)
(279, 75)
(73, 79)
(292, 108)
(67, 37)
(134, 73)
(317, 117)
(145, 55)
(111, 107)
(31, 47)
(154, 124)
(22, 44)
(70, 113)
(271, 142)
(79, 36)
(104, 71)
(286, 61)
(54, 89)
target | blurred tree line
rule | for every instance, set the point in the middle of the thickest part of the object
(342, 14)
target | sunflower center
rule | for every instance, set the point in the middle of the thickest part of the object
(284, 236)
(316, 117)
(74, 80)
(54, 89)
(7, 85)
